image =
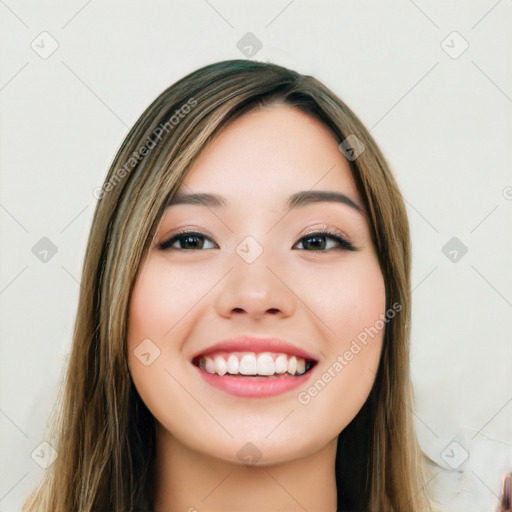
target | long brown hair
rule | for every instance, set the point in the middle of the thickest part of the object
(103, 433)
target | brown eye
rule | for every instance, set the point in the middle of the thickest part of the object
(188, 241)
(318, 242)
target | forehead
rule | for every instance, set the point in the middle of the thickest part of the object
(270, 152)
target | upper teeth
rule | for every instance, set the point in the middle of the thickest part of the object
(249, 363)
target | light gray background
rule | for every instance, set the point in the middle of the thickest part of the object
(443, 119)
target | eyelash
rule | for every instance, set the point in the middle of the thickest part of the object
(343, 243)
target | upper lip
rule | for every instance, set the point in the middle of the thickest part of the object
(251, 344)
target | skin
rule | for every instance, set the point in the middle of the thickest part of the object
(185, 300)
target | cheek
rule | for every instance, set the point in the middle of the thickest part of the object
(352, 307)
(160, 300)
(159, 318)
(348, 298)
(157, 313)
(364, 301)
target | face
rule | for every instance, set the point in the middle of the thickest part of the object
(250, 284)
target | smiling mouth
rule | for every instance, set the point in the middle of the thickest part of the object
(263, 365)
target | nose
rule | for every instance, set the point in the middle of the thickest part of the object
(257, 290)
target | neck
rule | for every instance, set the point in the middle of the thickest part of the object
(189, 481)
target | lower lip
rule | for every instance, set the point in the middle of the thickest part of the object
(254, 387)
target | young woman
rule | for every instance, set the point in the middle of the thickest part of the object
(242, 336)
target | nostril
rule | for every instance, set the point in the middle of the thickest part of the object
(272, 311)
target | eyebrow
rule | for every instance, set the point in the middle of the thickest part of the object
(297, 200)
